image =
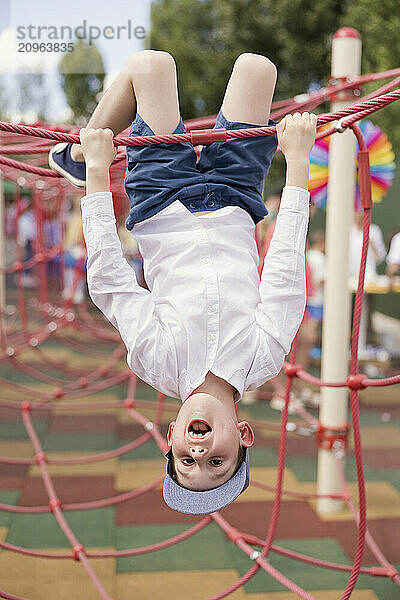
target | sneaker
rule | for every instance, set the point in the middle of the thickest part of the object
(60, 160)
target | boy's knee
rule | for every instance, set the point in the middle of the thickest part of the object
(149, 61)
(255, 64)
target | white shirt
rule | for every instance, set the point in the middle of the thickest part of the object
(393, 258)
(316, 260)
(376, 238)
(26, 228)
(206, 309)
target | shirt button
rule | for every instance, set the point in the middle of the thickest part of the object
(212, 337)
(205, 260)
(212, 309)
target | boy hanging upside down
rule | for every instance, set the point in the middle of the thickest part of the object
(207, 330)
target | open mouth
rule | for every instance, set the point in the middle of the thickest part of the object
(199, 429)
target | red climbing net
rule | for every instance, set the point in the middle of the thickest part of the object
(61, 322)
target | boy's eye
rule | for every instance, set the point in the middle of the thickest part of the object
(215, 462)
(188, 461)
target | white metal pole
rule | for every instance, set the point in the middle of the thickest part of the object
(2, 249)
(346, 62)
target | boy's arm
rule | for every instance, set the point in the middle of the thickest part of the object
(111, 281)
(282, 287)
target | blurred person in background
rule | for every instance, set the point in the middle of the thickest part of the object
(75, 256)
(376, 250)
(26, 235)
(393, 258)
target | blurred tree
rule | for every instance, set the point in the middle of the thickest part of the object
(378, 22)
(82, 77)
(206, 36)
(3, 102)
(32, 94)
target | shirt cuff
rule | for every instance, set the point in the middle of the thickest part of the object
(97, 204)
(294, 197)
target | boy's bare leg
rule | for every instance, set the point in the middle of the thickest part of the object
(249, 92)
(147, 84)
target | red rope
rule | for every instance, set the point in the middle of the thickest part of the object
(70, 388)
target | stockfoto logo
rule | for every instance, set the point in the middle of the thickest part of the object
(86, 32)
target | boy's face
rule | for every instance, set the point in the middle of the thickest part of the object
(205, 441)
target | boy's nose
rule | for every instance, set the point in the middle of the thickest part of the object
(200, 451)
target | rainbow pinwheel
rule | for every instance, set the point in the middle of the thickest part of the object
(381, 159)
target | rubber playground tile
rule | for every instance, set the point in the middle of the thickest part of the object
(16, 449)
(310, 525)
(15, 430)
(95, 405)
(75, 424)
(303, 467)
(130, 431)
(262, 457)
(379, 436)
(383, 502)
(207, 549)
(385, 533)
(319, 594)
(392, 476)
(387, 395)
(149, 509)
(267, 476)
(254, 518)
(124, 417)
(12, 476)
(91, 527)
(62, 579)
(7, 497)
(305, 470)
(372, 416)
(10, 414)
(100, 442)
(147, 450)
(18, 396)
(177, 585)
(262, 410)
(380, 458)
(135, 474)
(103, 467)
(304, 446)
(306, 576)
(68, 489)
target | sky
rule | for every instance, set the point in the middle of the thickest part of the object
(116, 26)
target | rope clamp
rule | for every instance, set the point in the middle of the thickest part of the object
(339, 127)
(356, 382)
(254, 555)
(54, 503)
(39, 457)
(77, 549)
(128, 403)
(207, 136)
(332, 438)
(346, 94)
(291, 369)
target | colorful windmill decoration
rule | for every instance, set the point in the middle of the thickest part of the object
(381, 160)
